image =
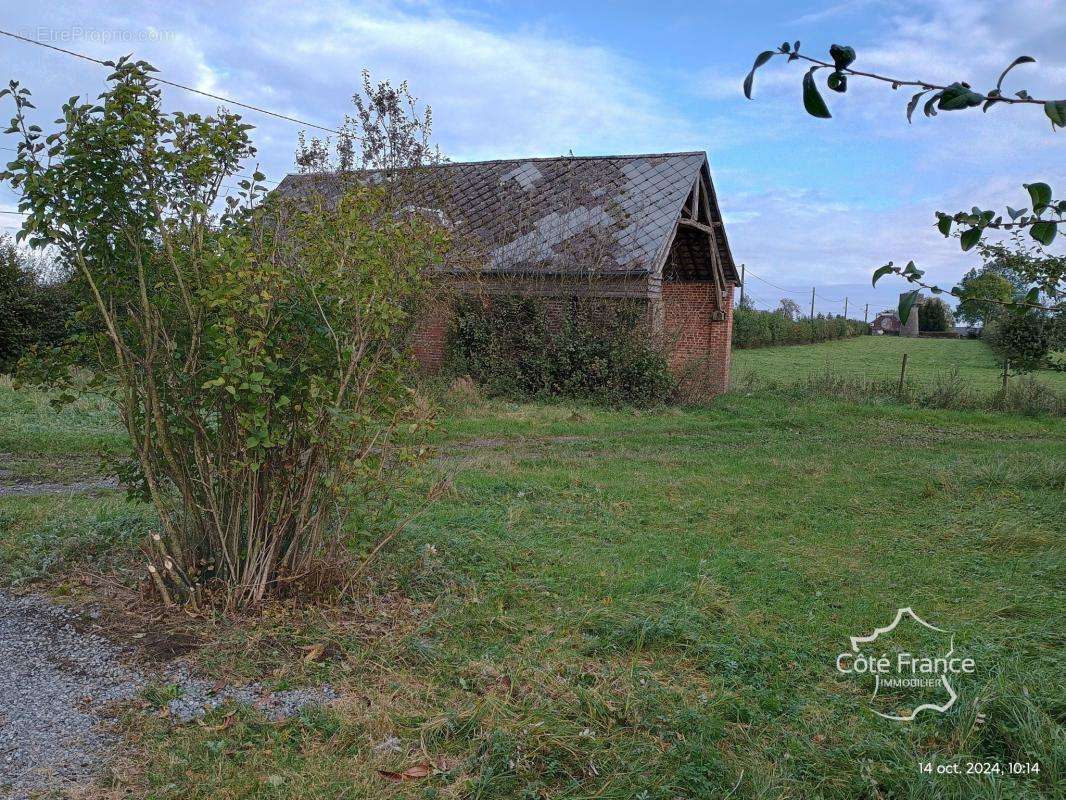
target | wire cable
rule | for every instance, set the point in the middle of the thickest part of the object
(781, 288)
(227, 100)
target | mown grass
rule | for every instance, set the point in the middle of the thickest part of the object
(623, 604)
(37, 441)
(878, 358)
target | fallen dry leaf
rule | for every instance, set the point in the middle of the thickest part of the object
(314, 652)
(411, 773)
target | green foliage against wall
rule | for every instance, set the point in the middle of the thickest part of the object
(752, 328)
(535, 347)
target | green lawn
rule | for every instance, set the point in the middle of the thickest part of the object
(879, 358)
(648, 604)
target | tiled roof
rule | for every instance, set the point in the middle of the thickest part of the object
(559, 214)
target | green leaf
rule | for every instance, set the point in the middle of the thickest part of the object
(882, 271)
(1033, 296)
(911, 272)
(1012, 65)
(1014, 213)
(970, 238)
(842, 55)
(958, 96)
(838, 81)
(1056, 112)
(812, 99)
(1044, 232)
(913, 104)
(906, 303)
(944, 224)
(760, 59)
(1040, 194)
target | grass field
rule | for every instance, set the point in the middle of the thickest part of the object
(635, 604)
(879, 358)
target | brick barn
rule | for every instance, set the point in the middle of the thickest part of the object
(641, 227)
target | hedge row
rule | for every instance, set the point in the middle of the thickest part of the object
(753, 328)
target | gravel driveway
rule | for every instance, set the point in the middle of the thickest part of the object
(56, 680)
(53, 683)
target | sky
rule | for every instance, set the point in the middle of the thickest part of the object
(807, 202)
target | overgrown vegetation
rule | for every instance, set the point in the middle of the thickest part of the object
(532, 347)
(753, 328)
(36, 308)
(257, 359)
(934, 316)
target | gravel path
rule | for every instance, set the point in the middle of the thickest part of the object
(79, 487)
(55, 682)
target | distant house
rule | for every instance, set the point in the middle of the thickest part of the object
(887, 322)
(643, 227)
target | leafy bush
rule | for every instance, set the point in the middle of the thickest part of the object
(257, 360)
(752, 328)
(531, 347)
(934, 316)
(33, 311)
(1023, 339)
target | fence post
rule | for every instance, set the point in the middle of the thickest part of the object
(902, 374)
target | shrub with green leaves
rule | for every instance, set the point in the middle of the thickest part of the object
(536, 347)
(1022, 338)
(33, 311)
(257, 359)
(935, 316)
(753, 328)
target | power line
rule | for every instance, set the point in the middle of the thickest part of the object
(228, 100)
(781, 288)
(828, 299)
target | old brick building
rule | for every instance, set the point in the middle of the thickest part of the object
(643, 227)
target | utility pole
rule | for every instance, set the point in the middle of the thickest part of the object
(845, 308)
(812, 303)
(742, 282)
(866, 314)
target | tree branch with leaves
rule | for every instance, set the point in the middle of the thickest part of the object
(1041, 221)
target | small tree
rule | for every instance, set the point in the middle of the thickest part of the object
(257, 358)
(1023, 340)
(935, 316)
(790, 309)
(985, 292)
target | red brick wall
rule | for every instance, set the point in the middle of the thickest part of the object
(699, 346)
(430, 334)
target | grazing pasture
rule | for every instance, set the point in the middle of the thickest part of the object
(878, 358)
